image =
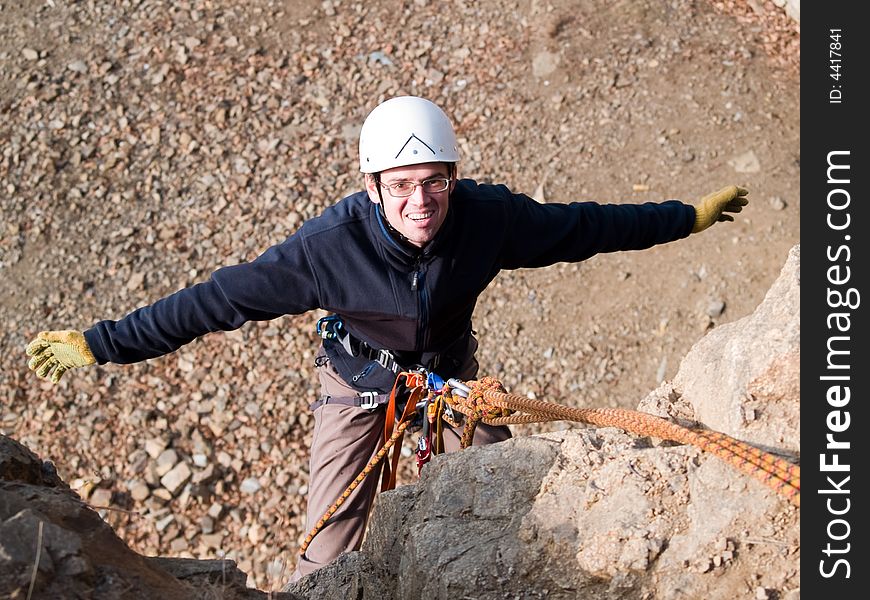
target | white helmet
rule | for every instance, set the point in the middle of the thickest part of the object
(406, 130)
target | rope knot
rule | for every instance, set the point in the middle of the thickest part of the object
(478, 401)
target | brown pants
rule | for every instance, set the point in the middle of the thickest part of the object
(345, 440)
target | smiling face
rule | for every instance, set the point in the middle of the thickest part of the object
(419, 216)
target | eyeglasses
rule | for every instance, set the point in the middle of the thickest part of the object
(403, 189)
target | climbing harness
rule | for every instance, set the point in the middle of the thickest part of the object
(331, 327)
(488, 402)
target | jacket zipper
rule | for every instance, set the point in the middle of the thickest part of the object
(363, 373)
(418, 285)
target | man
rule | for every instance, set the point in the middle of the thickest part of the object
(400, 265)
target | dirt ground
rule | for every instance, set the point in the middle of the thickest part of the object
(146, 143)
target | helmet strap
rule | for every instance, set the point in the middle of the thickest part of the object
(392, 230)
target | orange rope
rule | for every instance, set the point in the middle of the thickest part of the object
(359, 479)
(775, 472)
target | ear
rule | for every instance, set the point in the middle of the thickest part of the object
(371, 188)
(454, 179)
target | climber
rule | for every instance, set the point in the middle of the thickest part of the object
(400, 264)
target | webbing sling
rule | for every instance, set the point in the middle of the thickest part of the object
(415, 383)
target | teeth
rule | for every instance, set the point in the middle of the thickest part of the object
(419, 216)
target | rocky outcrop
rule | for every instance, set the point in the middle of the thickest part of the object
(598, 513)
(585, 512)
(54, 545)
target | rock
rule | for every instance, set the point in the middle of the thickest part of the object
(155, 446)
(250, 486)
(756, 356)
(777, 203)
(216, 510)
(544, 64)
(212, 540)
(166, 461)
(206, 524)
(19, 464)
(164, 522)
(206, 475)
(78, 66)
(745, 163)
(100, 498)
(175, 479)
(715, 308)
(79, 549)
(139, 491)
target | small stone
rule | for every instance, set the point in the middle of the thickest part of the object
(175, 479)
(139, 490)
(136, 280)
(78, 66)
(255, 533)
(155, 447)
(212, 540)
(544, 63)
(745, 163)
(715, 308)
(162, 495)
(216, 510)
(100, 497)
(205, 475)
(178, 545)
(224, 459)
(206, 524)
(167, 459)
(777, 203)
(761, 593)
(163, 523)
(250, 486)
(30, 54)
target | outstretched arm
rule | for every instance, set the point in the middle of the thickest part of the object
(279, 282)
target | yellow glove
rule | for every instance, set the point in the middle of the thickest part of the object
(56, 352)
(712, 207)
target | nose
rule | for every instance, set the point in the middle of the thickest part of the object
(418, 196)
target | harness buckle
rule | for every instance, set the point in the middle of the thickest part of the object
(386, 359)
(368, 400)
